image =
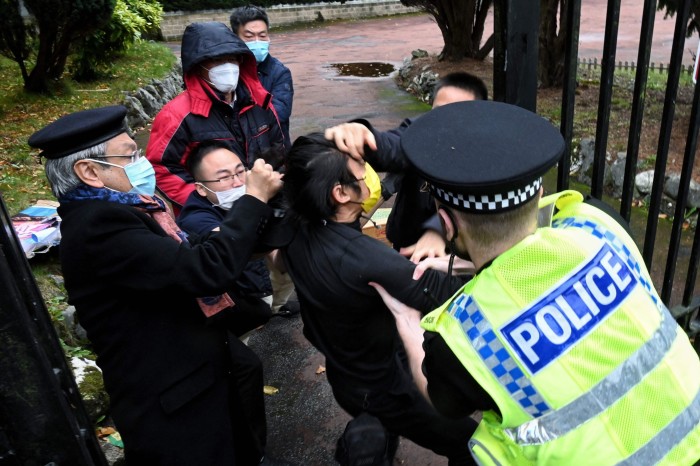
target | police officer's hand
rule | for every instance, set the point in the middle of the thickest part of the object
(431, 244)
(351, 138)
(459, 267)
(403, 314)
(262, 181)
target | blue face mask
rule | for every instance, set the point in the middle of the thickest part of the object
(260, 48)
(142, 177)
(140, 173)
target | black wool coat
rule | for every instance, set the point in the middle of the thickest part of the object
(165, 366)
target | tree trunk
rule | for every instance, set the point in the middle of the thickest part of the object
(481, 14)
(550, 70)
(461, 24)
(38, 78)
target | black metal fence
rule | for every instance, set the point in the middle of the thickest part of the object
(516, 34)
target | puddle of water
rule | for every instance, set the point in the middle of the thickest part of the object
(363, 70)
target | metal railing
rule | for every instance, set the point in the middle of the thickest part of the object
(514, 27)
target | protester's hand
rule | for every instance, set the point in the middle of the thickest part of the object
(262, 181)
(402, 313)
(459, 267)
(431, 244)
(351, 138)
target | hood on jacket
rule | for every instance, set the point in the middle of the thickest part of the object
(202, 41)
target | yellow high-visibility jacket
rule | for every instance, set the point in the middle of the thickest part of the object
(568, 336)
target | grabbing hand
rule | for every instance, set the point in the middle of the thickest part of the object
(441, 264)
(401, 312)
(431, 244)
(351, 138)
(262, 181)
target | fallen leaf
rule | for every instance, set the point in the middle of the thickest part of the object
(270, 390)
(104, 431)
(663, 215)
(321, 369)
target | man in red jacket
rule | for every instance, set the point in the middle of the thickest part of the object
(223, 100)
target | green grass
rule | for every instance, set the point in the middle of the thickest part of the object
(22, 179)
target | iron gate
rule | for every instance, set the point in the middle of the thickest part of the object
(515, 81)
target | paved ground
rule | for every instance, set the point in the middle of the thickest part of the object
(304, 421)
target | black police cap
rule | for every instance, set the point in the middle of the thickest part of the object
(482, 156)
(79, 131)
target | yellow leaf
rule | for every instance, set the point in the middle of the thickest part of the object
(105, 431)
(321, 369)
(270, 390)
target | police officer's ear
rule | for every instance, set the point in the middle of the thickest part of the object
(449, 223)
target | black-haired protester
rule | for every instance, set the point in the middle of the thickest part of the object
(155, 306)
(331, 263)
(560, 338)
(412, 227)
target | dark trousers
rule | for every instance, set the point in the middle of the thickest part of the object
(404, 411)
(248, 405)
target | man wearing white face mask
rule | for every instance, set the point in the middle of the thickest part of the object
(252, 25)
(223, 100)
(220, 181)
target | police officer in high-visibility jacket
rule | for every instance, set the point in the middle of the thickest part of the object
(560, 338)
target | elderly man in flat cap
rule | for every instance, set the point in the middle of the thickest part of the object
(560, 338)
(154, 306)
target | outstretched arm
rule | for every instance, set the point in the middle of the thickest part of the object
(411, 333)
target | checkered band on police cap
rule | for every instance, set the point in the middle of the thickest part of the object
(482, 156)
(488, 202)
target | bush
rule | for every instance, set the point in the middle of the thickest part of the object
(131, 21)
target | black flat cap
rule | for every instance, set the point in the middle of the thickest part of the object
(482, 156)
(78, 131)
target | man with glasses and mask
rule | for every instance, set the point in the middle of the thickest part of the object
(154, 306)
(219, 180)
(223, 99)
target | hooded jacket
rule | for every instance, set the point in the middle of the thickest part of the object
(250, 125)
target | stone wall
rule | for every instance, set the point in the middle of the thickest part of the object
(174, 23)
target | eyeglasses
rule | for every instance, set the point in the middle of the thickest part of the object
(134, 156)
(240, 174)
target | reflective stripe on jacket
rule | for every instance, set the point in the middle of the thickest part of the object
(568, 336)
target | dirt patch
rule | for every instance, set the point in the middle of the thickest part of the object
(586, 110)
